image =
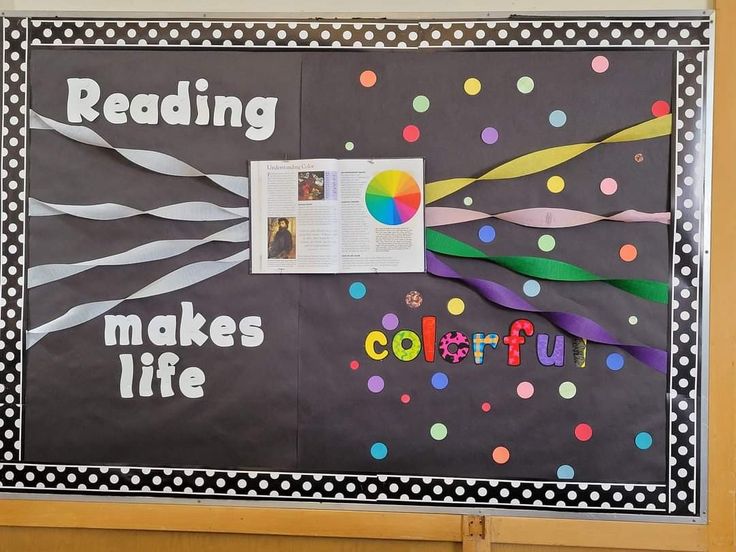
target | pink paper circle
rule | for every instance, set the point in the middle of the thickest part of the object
(599, 64)
(525, 390)
(609, 186)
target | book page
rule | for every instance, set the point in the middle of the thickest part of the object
(295, 216)
(382, 215)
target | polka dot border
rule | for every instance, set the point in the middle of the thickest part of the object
(679, 497)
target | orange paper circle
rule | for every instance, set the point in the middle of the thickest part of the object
(628, 252)
(368, 78)
(501, 455)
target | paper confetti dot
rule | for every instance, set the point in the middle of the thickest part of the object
(485, 407)
(440, 380)
(413, 299)
(555, 184)
(660, 108)
(357, 290)
(546, 243)
(487, 233)
(420, 104)
(633, 320)
(609, 186)
(405, 398)
(565, 472)
(500, 455)
(390, 321)
(525, 84)
(375, 384)
(472, 86)
(438, 431)
(639, 157)
(489, 135)
(349, 146)
(615, 361)
(599, 64)
(583, 432)
(525, 390)
(643, 440)
(411, 133)
(628, 252)
(379, 451)
(531, 288)
(368, 78)
(354, 364)
(455, 306)
(567, 390)
(557, 118)
(468, 201)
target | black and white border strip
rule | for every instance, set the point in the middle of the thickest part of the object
(14, 96)
(686, 286)
(341, 34)
(679, 498)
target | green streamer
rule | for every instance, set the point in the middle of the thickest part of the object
(546, 269)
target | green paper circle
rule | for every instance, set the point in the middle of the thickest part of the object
(546, 243)
(525, 84)
(567, 390)
(420, 104)
(438, 431)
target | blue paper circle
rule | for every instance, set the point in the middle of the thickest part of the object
(379, 451)
(643, 440)
(487, 233)
(565, 472)
(357, 290)
(440, 380)
(531, 288)
(557, 118)
(615, 361)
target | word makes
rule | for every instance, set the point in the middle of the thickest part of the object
(187, 330)
(175, 109)
(453, 347)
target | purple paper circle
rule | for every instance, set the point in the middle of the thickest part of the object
(489, 135)
(375, 384)
(390, 321)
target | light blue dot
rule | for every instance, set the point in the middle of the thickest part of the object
(615, 361)
(565, 472)
(379, 451)
(557, 118)
(487, 233)
(440, 380)
(643, 440)
(531, 288)
(357, 290)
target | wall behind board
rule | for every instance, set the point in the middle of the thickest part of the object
(35, 525)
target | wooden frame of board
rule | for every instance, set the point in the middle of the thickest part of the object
(478, 533)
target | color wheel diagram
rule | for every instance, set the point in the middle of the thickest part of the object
(393, 197)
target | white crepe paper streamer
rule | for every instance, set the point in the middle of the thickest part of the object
(152, 160)
(153, 251)
(198, 211)
(178, 279)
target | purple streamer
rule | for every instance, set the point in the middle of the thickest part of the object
(574, 324)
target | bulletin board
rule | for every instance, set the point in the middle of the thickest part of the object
(550, 359)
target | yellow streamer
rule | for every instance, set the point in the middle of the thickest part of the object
(542, 160)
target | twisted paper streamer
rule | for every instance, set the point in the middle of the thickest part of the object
(574, 324)
(153, 251)
(178, 279)
(538, 217)
(542, 160)
(546, 269)
(193, 210)
(152, 160)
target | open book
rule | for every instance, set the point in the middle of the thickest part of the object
(329, 216)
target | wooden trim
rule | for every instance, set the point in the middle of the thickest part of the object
(722, 404)
(232, 519)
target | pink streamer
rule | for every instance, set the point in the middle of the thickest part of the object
(539, 217)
